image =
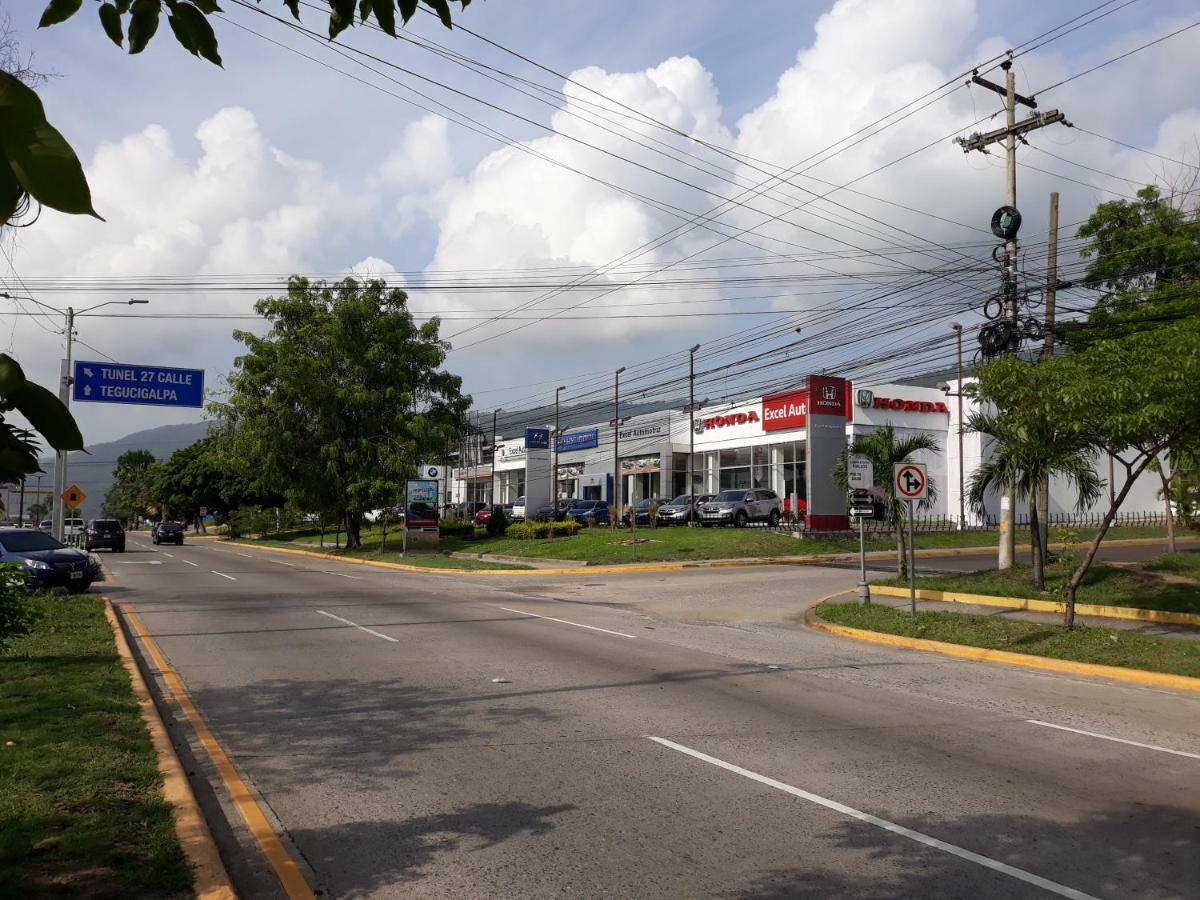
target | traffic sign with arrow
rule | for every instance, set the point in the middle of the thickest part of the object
(911, 481)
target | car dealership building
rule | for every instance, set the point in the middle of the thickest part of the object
(787, 442)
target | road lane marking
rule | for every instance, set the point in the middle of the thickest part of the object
(142, 562)
(1117, 740)
(280, 562)
(343, 575)
(222, 574)
(962, 853)
(165, 553)
(190, 563)
(522, 612)
(386, 637)
(247, 555)
(286, 869)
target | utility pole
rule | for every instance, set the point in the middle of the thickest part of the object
(691, 485)
(616, 443)
(1043, 490)
(962, 501)
(60, 457)
(495, 412)
(554, 474)
(1012, 308)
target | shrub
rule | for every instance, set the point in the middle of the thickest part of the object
(247, 520)
(498, 524)
(459, 529)
(16, 613)
(526, 531)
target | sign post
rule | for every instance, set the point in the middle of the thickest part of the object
(912, 484)
(420, 514)
(860, 475)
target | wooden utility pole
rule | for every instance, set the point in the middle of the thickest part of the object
(1012, 306)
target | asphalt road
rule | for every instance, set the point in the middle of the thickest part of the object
(486, 737)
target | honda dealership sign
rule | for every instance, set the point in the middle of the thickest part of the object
(826, 439)
(784, 411)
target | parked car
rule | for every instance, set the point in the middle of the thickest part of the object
(167, 533)
(46, 525)
(106, 533)
(73, 527)
(556, 511)
(741, 506)
(468, 509)
(682, 509)
(641, 510)
(589, 512)
(518, 510)
(48, 563)
(483, 516)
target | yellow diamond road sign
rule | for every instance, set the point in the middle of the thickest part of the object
(73, 496)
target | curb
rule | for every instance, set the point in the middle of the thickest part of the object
(981, 654)
(663, 566)
(1161, 616)
(211, 879)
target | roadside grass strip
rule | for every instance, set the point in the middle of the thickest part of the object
(1121, 649)
(81, 805)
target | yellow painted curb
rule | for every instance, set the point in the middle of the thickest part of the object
(211, 879)
(285, 867)
(1161, 616)
(980, 654)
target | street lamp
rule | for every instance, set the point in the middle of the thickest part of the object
(617, 441)
(64, 394)
(554, 474)
(962, 503)
(691, 485)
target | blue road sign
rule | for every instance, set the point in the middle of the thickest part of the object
(106, 382)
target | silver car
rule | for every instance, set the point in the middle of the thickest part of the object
(740, 507)
(681, 509)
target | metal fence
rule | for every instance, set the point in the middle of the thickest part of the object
(944, 523)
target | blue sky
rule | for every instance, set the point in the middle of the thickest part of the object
(277, 163)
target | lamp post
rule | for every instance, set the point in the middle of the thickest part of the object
(691, 485)
(493, 479)
(962, 503)
(617, 441)
(554, 472)
(64, 394)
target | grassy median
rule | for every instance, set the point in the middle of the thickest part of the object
(81, 808)
(1167, 582)
(598, 546)
(1102, 646)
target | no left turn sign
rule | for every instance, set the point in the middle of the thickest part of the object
(911, 481)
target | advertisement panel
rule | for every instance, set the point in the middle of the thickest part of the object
(537, 438)
(784, 411)
(578, 440)
(420, 503)
(826, 395)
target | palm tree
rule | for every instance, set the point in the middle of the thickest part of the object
(1024, 455)
(886, 451)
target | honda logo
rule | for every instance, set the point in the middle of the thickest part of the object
(865, 399)
(829, 392)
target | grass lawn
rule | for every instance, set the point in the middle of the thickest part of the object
(81, 810)
(600, 546)
(1103, 646)
(370, 550)
(1104, 584)
(1183, 564)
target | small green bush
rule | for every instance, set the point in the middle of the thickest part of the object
(498, 524)
(16, 613)
(526, 531)
(459, 529)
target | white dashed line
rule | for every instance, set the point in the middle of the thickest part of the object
(344, 575)
(995, 865)
(522, 612)
(246, 555)
(190, 563)
(359, 627)
(222, 574)
(172, 555)
(1117, 740)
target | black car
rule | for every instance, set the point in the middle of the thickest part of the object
(167, 533)
(106, 533)
(47, 563)
(642, 511)
(555, 512)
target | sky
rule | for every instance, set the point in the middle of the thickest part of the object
(632, 132)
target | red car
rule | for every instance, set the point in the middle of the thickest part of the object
(483, 516)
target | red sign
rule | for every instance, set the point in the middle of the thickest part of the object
(783, 411)
(826, 396)
(733, 418)
(925, 406)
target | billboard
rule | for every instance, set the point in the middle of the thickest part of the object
(420, 503)
(578, 440)
(537, 438)
(784, 411)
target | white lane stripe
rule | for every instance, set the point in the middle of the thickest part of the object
(1117, 740)
(190, 563)
(343, 575)
(1004, 868)
(222, 574)
(247, 555)
(280, 562)
(377, 634)
(522, 612)
(172, 555)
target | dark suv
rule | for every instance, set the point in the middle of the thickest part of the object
(167, 533)
(106, 533)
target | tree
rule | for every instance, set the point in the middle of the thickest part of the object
(199, 475)
(131, 493)
(51, 420)
(1145, 257)
(344, 396)
(885, 451)
(1031, 446)
(1130, 396)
